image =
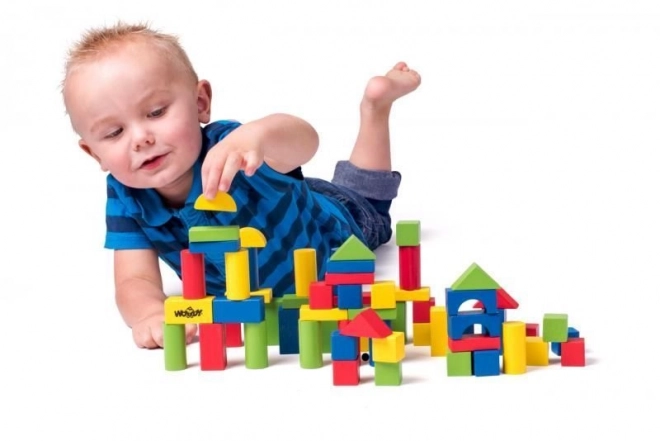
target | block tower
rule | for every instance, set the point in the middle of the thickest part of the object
(241, 304)
(360, 316)
(474, 352)
(408, 241)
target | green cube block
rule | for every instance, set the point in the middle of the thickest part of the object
(213, 233)
(388, 374)
(555, 328)
(459, 364)
(408, 233)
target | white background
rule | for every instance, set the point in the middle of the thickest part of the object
(530, 148)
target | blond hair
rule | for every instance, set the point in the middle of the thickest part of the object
(96, 42)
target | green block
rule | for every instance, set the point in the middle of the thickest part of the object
(408, 233)
(555, 328)
(399, 323)
(292, 301)
(326, 333)
(309, 335)
(384, 314)
(388, 374)
(475, 278)
(174, 347)
(459, 364)
(273, 321)
(256, 345)
(214, 233)
(353, 249)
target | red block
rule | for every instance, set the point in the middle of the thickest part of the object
(367, 324)
(320, 295)
(531, 329)
(193, 275)
(366, 299)
(503, 299)
(410, 274)
(422, 311)
(234, 333)
(473, 342)
(346, 372)
(350, 278)
(212, 347)
(573, 352)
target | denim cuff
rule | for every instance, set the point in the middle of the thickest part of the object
(373, 184)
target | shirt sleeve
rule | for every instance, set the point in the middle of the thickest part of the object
(122, 231)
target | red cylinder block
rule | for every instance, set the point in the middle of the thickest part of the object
(410, 274)
(193, 275)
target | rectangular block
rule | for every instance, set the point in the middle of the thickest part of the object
(181, 311)
(486, 363)
(265, 293)
(536, 351)
(417, 295)
(410, 268)
(474, 342)
(532, 329)
(408, 233)
(289, 341)
(292, 301)
(214, 233)
(349, 278)
(250, 310)
(212, 347)
(422, 310)
(351, 266)
(390, 349)
(320, 295)
(421, 334)
(439, 336)
(346, 372)
(344, 348)
(215, 248)
(334, 314)
(349, 296)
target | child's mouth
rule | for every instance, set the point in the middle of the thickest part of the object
(152, 163)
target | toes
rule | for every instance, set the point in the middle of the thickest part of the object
(401, 66)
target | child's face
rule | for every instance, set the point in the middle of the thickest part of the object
(139, 116)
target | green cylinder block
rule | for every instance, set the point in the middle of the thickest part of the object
(311, 354)
(174, 347)
(256, 345)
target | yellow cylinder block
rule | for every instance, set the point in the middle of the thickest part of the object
(514, 347)
(237, 267)
(304, 263)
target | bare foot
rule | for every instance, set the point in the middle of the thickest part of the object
(382, 91)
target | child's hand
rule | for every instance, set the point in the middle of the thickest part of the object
(148, 333)
(240, 150)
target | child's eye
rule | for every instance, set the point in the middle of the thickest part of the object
(158, 112)
(115, 133)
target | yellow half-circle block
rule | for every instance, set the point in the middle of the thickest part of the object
(252, 238)
(221, 202)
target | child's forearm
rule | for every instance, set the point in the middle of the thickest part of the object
(138, 299)
(287, 140)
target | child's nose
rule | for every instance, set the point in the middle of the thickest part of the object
(144, 140)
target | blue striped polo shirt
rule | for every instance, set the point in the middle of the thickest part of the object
(281, 206)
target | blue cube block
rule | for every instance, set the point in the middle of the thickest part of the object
(349, 296)
(486, 363)
(288, 330)
(344, 347)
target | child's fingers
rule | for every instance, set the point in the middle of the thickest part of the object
(191, 332)
(213, 176)
(252, 163)
(232, 166)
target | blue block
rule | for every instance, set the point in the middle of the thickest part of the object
(349, 296)
(351, 266)
(556, 347)
(214, 248)
(343, 347)
(288, 330)
(371, 353)
(491, 323)
(253, 256)
(486, 363)
(455, 298)
(251, 310)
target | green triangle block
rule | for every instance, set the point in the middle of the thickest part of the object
(475, 278)
(353, 249)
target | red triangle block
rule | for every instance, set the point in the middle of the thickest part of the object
(504, 300)
(366, 324)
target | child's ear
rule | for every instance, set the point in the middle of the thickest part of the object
(204, 101)
(85, 148)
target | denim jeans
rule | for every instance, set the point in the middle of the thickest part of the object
(367, 195)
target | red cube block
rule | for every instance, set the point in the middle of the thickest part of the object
(573, 352)
(532, 329)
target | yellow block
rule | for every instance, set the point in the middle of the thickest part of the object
(390, 349)
(221, 202)
(323, 315)
(304, 264)
(514, 345)
(266, 293)
(364, 344)
(421, 334)
(251, 238)
(537, 352)
(237, 269)
(383, 295)
(179, 311)
(439, 331)
(417, 295)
